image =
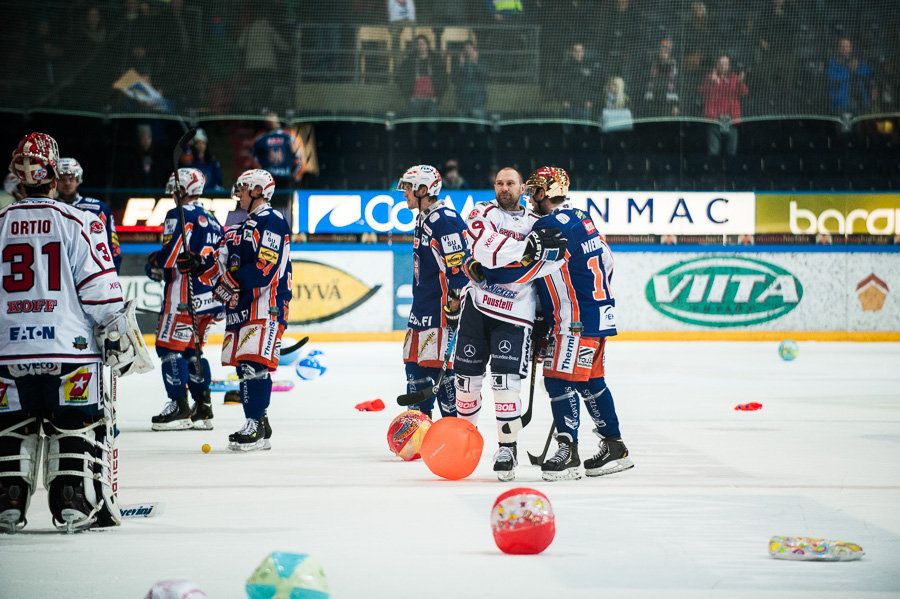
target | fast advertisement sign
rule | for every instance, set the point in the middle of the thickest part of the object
(845, 213)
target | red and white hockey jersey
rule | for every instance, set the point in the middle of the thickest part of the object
(496, 239)
(58, 281)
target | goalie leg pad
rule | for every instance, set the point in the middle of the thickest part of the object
(565, 407)
(78, 471)
(20, 448)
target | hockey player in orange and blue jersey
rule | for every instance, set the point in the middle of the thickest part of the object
(251, 275)
(579, 310)
(175, 334)
(439, 249)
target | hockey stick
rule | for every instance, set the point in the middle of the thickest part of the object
(289, 350)
(142, 510)
(538, 460)
(523, 421)
(411, 399)
(179, 193)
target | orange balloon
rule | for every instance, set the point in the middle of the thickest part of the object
(452, 448)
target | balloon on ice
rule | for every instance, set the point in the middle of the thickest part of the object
(522, 521)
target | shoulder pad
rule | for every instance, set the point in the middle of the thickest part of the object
(434, 217)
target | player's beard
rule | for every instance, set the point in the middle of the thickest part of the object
(505, 199)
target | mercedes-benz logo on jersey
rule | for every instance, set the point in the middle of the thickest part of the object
(469, 350)
(505, 346)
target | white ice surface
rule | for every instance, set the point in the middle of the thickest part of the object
(692, 519)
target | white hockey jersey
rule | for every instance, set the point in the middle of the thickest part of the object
(58, 281)
(496, 239)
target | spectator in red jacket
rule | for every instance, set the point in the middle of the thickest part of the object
(722, 92)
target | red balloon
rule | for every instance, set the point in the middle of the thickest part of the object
(452, 448)
(522, 521)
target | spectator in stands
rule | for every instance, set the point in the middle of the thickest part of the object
(146, 166)
(504, 10)
(621, 30)
(615, 96)
(722, 92)
(470, 79)
(578, 86)
(401, 10)
(423, 79)
(661, 95)
(200, 158)
(264, 53)
(452, 179)
(94, 30)
(848, 78)
(701, 40)
(279, 151)
(776, 28)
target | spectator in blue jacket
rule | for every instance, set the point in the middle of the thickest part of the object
(200, 158)
(848, 77)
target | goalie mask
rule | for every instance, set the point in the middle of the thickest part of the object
(191, 181)
(253, 178)
(35, 159)
(553, 180)
(422, 174)
(71, 167)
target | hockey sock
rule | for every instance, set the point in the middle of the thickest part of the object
(507, 403)
(565, 406)
(599, 402)
(196, 387)
(256, 389)
(468, 396)
(418, 378)
(174, 370)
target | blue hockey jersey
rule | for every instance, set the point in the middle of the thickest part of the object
(204, 234)
(576, 293)
(257, 253)
(278, 152)
(439, 249)
(102, 211)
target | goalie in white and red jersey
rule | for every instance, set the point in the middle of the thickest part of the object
(496, 320)
(62, 317)
(175, 344)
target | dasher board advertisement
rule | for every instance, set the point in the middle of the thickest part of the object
(818, 213)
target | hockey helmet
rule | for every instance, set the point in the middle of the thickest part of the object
(35, 159)
(552, 179)
(190, 179)
(252, 178)
(70, 166)
(422, 174)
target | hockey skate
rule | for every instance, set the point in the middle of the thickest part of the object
(202, 412)
(267, 431)
(251, 437)
(71, 510)
(176, 416)
(613, 457)
(563, 465)
(13, 504)
(505, 462)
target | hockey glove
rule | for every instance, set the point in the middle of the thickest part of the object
(539, 335)
(544, 244)
(452, 309)
(152, 270)
(227, 291)
(190, 263)
(472, 269)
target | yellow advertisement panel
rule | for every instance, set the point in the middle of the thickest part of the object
(842, 213)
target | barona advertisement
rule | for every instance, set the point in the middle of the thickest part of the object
(724, 291)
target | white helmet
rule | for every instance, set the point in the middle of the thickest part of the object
(190, 179)
(422, 174)
(252, 178)
(70, 166)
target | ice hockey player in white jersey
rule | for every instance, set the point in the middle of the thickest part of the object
(496, 320)
(62, 318)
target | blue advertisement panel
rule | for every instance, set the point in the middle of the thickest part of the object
(403, 278)
(367, 211)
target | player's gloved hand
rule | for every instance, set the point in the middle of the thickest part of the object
(189, 263)
(452, 308)
(227, 290)
(539, 335)
(473, 270)
(151, 269)
(544, 244)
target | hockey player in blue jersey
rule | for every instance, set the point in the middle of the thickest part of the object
(579, 310)
(251, 275)
(70, 176)
(439, 249)
(175, 344)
